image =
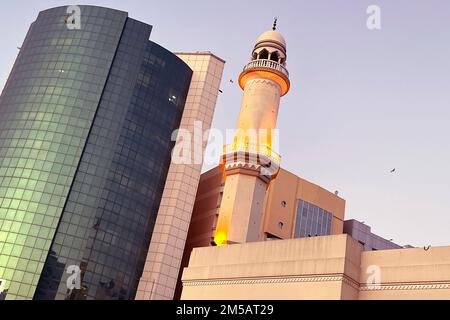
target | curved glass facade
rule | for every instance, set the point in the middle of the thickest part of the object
(85, 123)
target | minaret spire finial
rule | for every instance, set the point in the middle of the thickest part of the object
(274, 27)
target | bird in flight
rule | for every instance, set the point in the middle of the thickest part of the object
(393, 170)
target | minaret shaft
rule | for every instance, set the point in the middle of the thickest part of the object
(241, 209)
(249, 163)
(259, 110)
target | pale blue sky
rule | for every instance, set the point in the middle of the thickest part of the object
(361, 103)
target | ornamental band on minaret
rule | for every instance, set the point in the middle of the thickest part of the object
(249, 163)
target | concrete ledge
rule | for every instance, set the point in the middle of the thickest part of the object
(327, 267)
(304, 268)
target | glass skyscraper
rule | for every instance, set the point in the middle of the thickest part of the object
(86, 118)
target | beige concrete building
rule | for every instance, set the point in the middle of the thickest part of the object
(332, 266)
(325, 267)
(163, 261)
(280, 207)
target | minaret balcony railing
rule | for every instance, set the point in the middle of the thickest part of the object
(266, 64)
(257, 149)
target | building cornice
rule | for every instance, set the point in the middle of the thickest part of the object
(426, 285)
(423, 285)
(286, 279)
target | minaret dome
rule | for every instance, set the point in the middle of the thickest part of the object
(268, 60)
(270, 45)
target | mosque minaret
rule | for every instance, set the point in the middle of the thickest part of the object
(249, 163)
